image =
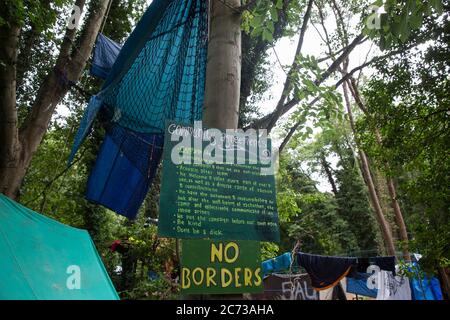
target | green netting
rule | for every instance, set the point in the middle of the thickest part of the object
(166, 80)
(159, 74)
(36, 254)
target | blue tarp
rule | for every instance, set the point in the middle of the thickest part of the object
(424, 287)
(358, 285)
(115, 181)
(105, 54)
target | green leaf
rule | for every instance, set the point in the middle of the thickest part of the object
(270, 26)
(256, 21)
(416, 20)
(267, 35)
(274, 14)
(437, 6)
(279, 4)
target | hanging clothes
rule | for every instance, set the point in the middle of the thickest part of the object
(280, 263)
(105, 54)
(393, 287)
(325, 272)
(358, 285)
(334, 293)
(384, 263)
(124, 169)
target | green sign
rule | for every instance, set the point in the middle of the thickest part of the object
(216, 185)
(220, 267)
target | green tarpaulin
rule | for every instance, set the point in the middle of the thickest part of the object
(41, 258)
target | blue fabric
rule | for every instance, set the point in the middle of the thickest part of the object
(105, 54)
(423, 288)
(277, 264)
(137, 40)
(426, 289)
(152, 275)
(358, 285)
(119, 180)
(91, 112)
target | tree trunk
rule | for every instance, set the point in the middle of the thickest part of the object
(9, 136)
(20, 145)
(327, 169)
(223, 76)
(223, 72)
(445, 281)
(384, 225)
(400, 222)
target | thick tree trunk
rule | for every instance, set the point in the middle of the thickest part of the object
(21, 146)
(384, 225)
(223, 76)
(223, 72)
(9, 136)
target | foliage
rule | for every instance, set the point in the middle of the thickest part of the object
(409, 103)
(314, 218)
(401, 19)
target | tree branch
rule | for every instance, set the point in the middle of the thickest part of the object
(287, 84)
(265, 121)
(295, 127)
(68, 68)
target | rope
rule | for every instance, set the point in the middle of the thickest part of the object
(279, 62)
(105, 18)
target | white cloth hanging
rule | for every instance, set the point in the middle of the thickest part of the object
(393, 287)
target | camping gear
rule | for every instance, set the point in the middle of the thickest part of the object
(42, 259)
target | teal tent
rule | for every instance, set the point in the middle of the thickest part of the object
(42, 259)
